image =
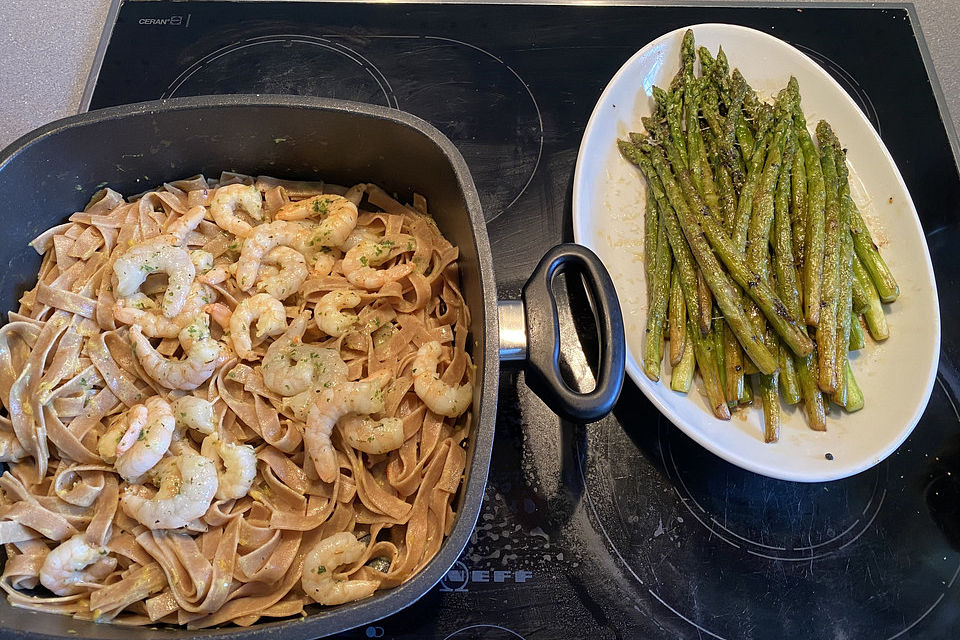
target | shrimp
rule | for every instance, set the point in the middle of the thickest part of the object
(285, 271)
(263, 239)
(321, 563)
(227, 200)
(330, 317)
(372, 436)
(323, 264)
(290, 368)
(220, 313)
(364, 397)
(149, 429)
(359, 262)
(239, 466)
(65, 570)
(202, 260)
(155, 325)
(271, 320)
(203, 357)
(133, 267)
(358, 235)
(191, 412)
(176, 234)
(339, 216)
(440, 397)
(186, 489)
(134, 419)
(189, 221)
(217, 274)
(340, 221)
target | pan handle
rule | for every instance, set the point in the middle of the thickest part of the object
(539, 313)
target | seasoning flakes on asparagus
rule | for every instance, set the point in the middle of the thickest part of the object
(759, 264)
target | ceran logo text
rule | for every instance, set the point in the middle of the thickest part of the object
(172, 21)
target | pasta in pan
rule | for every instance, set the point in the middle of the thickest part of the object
(229, 400)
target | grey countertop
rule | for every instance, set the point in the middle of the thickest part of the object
(49, 47)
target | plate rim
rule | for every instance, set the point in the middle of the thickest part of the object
(632, 366)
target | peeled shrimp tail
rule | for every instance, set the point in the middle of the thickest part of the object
(363, 397)
(229, 201)
(339, 215)
(372, 436)
(261, 240)
(191, 412)
(271, 320)
(359, 262)
(186, 223)
(330, 317)
(146, 440)
(239, 466)
(185, 494)
(133, 267)
(288, 270)
(440, 397)
(203, 358)
(65, 569)
(320, 566)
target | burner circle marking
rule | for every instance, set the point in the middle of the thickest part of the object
(285, 39)
(495, 627)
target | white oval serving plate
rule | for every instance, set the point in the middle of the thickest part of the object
(896, 376)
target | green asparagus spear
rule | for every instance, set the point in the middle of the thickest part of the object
(874, 316)
(783, 256)
(813, 404)
(845, 279)
(683, 372)
(675, 124)
(741, 222)
(717, 332)
(789, 383)
(816, 211)
(704, 319)
(677, 313)
(650, 233)
(746, 395)
(657, 312)
(763, 208)
(733, 363)
(750, 103)
(869, 255)
(770, 398)
(857, 340)
(798, 205)
(727, 141)
(691, 115)
(861, 297)
(704, 349)
(827, 327)
(854, 394)
(707, 182)
(728, 198)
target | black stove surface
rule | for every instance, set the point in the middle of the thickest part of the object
(623, 528)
